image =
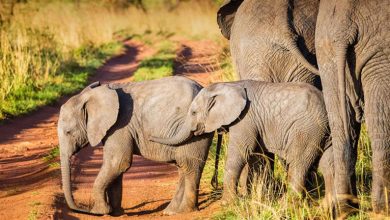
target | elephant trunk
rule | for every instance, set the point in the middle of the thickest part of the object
(180, 137)
(66, 182)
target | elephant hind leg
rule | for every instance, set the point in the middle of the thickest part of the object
(326, 167)
(377, 115)
(300, 160)
(114, 193)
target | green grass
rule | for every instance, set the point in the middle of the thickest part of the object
(34, 213)
(69, 76)
(52, 157)
(159, 65)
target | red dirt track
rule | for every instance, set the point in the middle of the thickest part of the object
(30, 188)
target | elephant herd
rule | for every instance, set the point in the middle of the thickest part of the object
(285, 52)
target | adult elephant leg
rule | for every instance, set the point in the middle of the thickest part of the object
(174, 205)
(377, 115)
(341, 126)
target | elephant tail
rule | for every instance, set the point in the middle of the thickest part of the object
(301, 59)
(214, 180)
(341, 55)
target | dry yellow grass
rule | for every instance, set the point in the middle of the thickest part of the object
(44, 36)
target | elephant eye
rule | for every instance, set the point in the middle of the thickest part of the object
(67, 132)
(193, 113)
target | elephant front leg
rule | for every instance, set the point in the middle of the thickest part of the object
(174, 205)
(233, 168)
(108, 184)
(189, 200)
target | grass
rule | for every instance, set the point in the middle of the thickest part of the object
(34, 213)
(49, 48)
(159, 65)
(52, 157)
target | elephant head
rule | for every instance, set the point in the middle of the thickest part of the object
(225, 16)
(215, 106)
(84, 118)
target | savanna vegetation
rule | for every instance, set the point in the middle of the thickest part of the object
(49, 48)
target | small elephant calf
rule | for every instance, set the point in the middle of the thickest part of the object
(122, 117)
(286, 119)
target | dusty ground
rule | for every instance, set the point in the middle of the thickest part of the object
(30, 187)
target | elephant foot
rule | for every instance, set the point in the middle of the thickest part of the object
(346, 206)
(101, 209)
(326, 203)
(380, 207)
(172, 211)
(118, 212)
(227, 199)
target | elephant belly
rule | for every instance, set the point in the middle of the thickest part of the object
(157, 152)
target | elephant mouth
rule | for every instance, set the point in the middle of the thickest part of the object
(199, 129)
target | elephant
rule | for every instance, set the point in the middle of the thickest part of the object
(121, 117)
(272, 40)
(287, 119)
(352, 41)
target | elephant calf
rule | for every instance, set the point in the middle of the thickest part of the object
(287, 119)
(122, 117)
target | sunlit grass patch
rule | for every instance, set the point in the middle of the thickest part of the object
(159, 65)
(69, 74)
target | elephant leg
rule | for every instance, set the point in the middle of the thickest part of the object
(377, 114)
(178, 197)
(305, 151)
(115, 163)
(235, 163)
(297, 173)
(326, 167)
(189, 201)
(114, 193)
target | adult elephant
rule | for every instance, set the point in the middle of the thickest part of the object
(353, 52)
(272, 40)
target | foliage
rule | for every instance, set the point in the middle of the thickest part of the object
(49, 48)
(159, 65)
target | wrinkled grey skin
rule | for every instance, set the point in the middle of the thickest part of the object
(272, 40)
(122, 117)
(353, 51)
(287, 119)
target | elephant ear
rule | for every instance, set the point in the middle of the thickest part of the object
(225, 105)
(226, 14)
(102, 107)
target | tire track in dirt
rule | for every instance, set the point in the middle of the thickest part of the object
(28, 183)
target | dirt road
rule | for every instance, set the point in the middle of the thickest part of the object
(30, 187)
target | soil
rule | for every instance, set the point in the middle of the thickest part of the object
(30, 184)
